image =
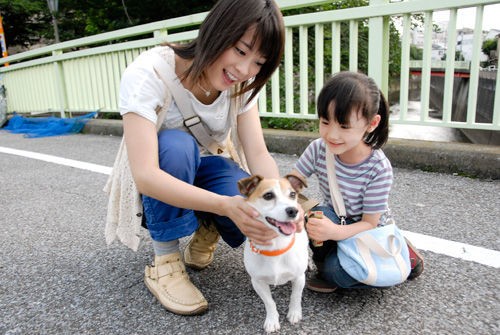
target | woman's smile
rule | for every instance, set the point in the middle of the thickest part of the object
(229, 78)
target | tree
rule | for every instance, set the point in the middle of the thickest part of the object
(25, 22)
(489, 45)
(395, 45)
(84, 18)
(416, 53)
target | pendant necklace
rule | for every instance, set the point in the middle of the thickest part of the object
(207, 92)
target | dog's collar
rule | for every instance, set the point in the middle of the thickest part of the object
(276, 252)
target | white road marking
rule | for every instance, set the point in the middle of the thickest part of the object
(424, 242)
(455, 249)
(58, 160)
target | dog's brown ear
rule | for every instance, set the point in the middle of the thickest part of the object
(249, 184)
(298, 183)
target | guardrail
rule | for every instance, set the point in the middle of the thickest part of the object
(83, 75)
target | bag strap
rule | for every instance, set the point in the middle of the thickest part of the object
(337, 200)
(191, 120)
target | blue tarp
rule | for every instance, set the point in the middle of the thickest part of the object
(47, 126)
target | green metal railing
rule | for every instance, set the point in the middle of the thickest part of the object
(84, 74)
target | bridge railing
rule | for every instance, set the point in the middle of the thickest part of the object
(84, 74)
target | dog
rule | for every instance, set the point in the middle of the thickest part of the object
(286, 259)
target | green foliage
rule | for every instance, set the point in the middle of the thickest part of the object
(85, 18)
(394, 51)
(458, 56)
(24, 21)
(290, 124)
(489, 45)
(416, 53)
(395, 45)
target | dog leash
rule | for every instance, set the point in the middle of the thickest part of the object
(276, 252)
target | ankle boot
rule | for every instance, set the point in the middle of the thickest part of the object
(199, 252)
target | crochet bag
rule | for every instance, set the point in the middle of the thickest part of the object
(376, 257)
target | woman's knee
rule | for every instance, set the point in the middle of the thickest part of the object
(178, 152)
(219, 175)
(173, 141)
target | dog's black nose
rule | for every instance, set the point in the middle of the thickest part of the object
(291, 211)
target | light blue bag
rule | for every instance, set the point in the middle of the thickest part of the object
(376, 257)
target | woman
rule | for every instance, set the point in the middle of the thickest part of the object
(240, 44)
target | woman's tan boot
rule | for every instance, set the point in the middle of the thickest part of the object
(168, 281)
(199, 252)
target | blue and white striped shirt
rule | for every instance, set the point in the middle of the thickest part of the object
(365, 187)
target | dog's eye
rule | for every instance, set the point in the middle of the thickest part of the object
(293, 195)
(268, 196)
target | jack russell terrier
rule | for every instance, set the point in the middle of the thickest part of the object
(286, 259)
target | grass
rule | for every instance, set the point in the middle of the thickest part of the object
(289, 124)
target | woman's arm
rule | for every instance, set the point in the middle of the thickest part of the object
(142, 148)
(252, 139)
(258, 157)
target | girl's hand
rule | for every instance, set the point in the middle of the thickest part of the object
(323, 229)
(244, 216)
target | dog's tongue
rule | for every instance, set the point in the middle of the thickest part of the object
(286, 228)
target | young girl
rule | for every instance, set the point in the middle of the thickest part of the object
(239, 45)
(353, 116)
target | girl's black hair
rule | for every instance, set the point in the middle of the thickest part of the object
(223, 27)
(350, 91)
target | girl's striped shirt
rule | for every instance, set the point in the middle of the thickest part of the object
(365, 186)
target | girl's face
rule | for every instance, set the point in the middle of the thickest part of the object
(346, 140)
(237, 64)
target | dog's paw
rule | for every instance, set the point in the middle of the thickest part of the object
(294, 315)
(272, 324)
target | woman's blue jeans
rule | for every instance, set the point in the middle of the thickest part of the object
(180, 157)
(326, 257)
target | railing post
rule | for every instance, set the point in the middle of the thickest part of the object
(496, 103)
(62, 95)
(161, 35)
(474, 67)
(378, 46)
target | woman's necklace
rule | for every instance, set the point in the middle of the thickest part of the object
(207, 92)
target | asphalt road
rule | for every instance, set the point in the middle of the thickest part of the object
(58, 276)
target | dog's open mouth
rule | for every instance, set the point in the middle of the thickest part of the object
(285, 227)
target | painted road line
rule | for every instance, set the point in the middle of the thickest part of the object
(424, 242)
(455, 249)
(58, 160)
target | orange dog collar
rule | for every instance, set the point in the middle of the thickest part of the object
(272, 252)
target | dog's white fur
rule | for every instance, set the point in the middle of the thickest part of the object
(277, 199)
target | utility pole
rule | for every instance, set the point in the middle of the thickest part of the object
(53, 8)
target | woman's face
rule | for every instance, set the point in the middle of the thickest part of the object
(237, 64)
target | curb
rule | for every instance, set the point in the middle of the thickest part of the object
(471, 160)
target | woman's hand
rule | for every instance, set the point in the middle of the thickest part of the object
(244, 216)
(299, 223)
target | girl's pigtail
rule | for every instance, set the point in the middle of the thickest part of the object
(378, 137)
